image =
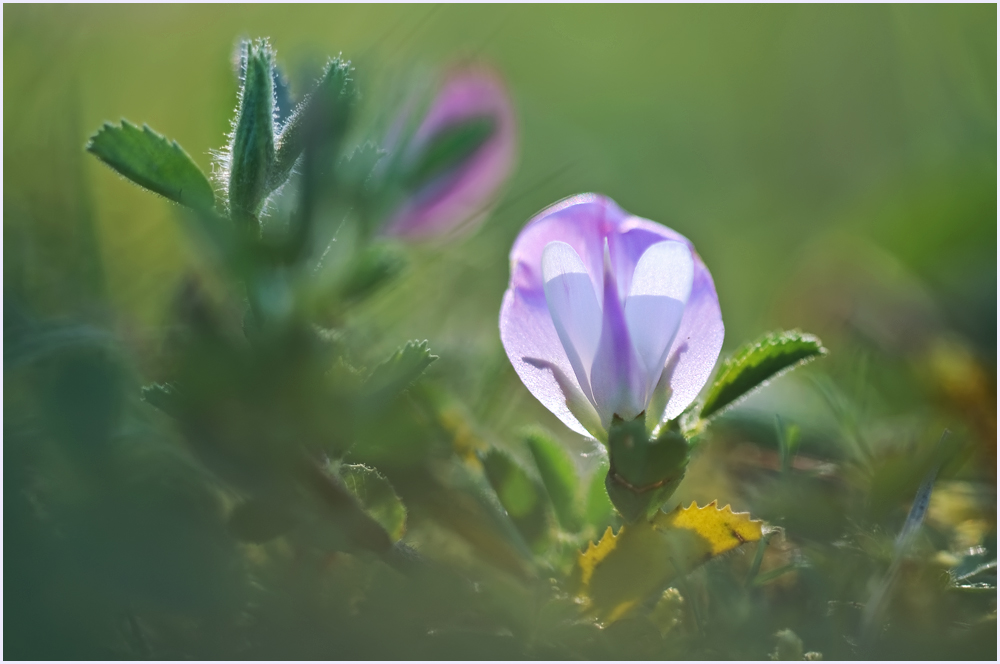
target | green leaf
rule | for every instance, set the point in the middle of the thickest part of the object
(558, 476)
(398, 372)
(599, 511)
(756, 363)
(519, 494)
(377, 497)
(449, 149)
(251, 148)
(153, 162)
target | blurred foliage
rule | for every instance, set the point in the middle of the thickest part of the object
(836, 168)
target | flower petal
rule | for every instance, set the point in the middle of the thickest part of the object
(696, 347)
(573, 306)
(618, 379)
(659, 291)
(535, 351)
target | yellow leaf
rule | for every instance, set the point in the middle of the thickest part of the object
(622, 569)
(722, 529)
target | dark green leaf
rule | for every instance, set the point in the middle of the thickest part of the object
(558, 476)
(251, 150)
(756, 363)
(377, 497)
(449, 149)
(153, 162)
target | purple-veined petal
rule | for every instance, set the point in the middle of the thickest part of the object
(658, 293)
(459, 200)
(573, 305)
(618, 379)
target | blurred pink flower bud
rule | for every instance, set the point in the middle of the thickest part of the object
(464, 148)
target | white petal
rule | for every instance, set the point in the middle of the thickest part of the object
(661, 285)
(573, 305)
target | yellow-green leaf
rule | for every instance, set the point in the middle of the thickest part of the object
(621, 570)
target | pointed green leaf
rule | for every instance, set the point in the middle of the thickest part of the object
(558, 476)
(377, 497)
(251, 148)
(153, 162)
(756, 363)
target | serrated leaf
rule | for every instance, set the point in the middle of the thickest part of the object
(151, 161)
(399, 371)
(377, 497)
(621, 570)
(754, 364)
(558, 477)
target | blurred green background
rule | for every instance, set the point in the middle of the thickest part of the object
(759, 132)
(835, 166)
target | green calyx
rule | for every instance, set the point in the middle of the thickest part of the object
(644, 473)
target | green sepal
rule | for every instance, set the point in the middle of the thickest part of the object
(643, 473)
(153, 162)
(251, 148)
(752, 365)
